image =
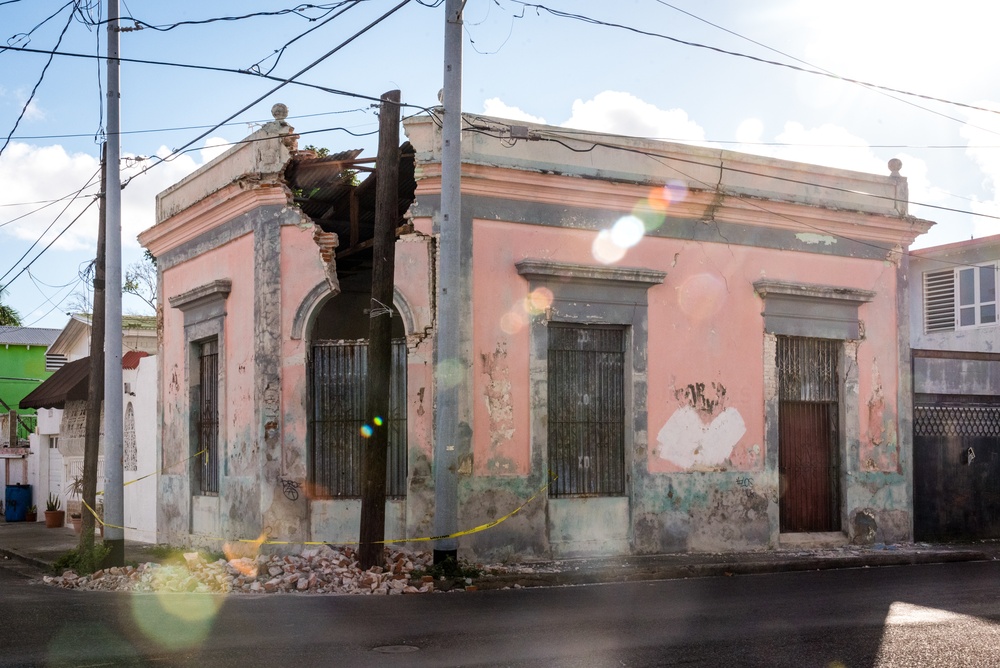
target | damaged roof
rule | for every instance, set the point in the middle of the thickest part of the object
(329, 191)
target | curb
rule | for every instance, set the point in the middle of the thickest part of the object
(41, 565)
(654, 572)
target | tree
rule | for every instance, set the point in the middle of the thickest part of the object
(140, 280)
(8, 314)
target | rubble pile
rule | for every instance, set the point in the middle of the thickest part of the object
(320, 571)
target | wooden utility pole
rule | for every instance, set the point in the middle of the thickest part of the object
(376, 446)
(95, 388)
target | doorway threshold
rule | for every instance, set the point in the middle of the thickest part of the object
(813, 540)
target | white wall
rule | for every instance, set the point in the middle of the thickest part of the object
(141, 497)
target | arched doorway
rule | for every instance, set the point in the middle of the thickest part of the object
(338, 368)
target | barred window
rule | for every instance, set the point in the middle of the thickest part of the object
(207, 393)
(586, 410)
(338, 381)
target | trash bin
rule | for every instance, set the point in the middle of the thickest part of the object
(17, 502)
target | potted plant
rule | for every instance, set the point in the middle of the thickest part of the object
(75, 490)
(31, 515)
(55, 517)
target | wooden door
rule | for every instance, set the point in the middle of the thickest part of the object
(808, 435)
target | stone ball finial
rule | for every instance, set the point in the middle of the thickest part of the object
(894, 166)
(279, 111)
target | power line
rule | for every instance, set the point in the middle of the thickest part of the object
(752, 201)
(206, 68)
(822, 69)
(256, 66)
(56, 238)
(25, 36)
(42, 235)
(298, 10)
(281, 85)
(557, 137)
(38, 83)
(49, 203)
(830, 75)
(195, 127)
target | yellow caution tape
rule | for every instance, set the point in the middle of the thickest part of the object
(115, 526)
(264, 539)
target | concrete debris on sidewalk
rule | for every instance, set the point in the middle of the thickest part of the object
(318, 571)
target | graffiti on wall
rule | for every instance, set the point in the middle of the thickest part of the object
(702, 432)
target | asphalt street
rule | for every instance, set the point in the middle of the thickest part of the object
(924, 615)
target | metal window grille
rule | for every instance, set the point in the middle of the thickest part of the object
(208, 416)
(586, 410)
(338, 380)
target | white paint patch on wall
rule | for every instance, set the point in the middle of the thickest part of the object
(687, 441)
(813, 238)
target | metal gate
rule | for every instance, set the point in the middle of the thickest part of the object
(808, 440)
(208, 417)
(338, 380)
(956, 471)
(586, 412)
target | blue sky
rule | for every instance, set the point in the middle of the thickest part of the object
(521, 61)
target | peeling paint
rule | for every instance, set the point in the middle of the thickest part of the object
(687, 441)
(497, 394)
(864, 527)
(813, 238)
(876, 408)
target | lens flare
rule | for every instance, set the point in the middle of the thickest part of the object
(538, 301)
(176, 620)
(449, 372)
(378, 421)
(366, 431)
(675, 191)
(627, 231)
(512, 322)
(701, 296)
(605, 250)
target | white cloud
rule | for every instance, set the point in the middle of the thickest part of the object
(625, 114)
(214, 147)
(43, 173)
(981, 131)
(750, 131)
(496, 107)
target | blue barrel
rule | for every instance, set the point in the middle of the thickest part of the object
(17, 502)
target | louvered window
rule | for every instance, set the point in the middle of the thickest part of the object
(54, 361)
(939, 301)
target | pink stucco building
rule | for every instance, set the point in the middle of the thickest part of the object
(708, 349)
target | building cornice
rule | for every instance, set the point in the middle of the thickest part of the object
(221, 206)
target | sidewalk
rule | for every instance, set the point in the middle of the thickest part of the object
(33, 544)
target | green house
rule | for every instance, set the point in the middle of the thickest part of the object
(24, 364)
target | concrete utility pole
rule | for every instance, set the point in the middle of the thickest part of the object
(376, 447)
(449, 298)
(95, 388)
(114, 502)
